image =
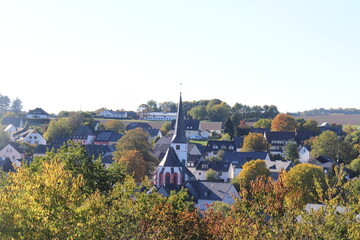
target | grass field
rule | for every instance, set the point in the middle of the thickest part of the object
(339, 119)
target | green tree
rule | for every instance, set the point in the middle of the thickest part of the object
(137, 139)
(168, 107)
(255, 142)
(252, 170)
(302, 181)
(327, 143)
(57, 128)
(115, 125)
(292, 152)
(283, 123)
(355, 166)
(198, 112)
(165, 128)
(229, 127)
(263, 123)
(4, 103)
(153, 106)
(16, 106)
(212, 175)
(311, 125)
(218, 112)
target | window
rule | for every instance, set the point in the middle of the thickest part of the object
(177, 147)
(35, 137)
(167, 178)
(30, 137)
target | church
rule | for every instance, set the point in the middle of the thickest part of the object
(173, 174)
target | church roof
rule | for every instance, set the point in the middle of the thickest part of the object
(180, 135)
(170, 159)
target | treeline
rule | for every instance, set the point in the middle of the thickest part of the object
(66, 195)
(8, 105)
(325, 112)
(213, 110)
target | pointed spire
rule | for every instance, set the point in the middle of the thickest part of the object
(180, 135)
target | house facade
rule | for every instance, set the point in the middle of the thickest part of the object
(159, 116)
(113, 114)
(13, 152)
(37, 113)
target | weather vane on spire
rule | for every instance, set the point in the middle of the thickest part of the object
(180, 88)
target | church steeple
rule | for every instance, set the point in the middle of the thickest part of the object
(180, 134)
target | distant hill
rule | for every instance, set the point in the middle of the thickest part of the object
(326, 112)
(350, 119)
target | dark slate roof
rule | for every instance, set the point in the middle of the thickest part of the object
(97, 150)
(12, 120)
(239, 141)
(219, 166)
(42, 149)
(279, 136)
(259, 130)
(301, 135)
(6, 165)
(161, 146)
(82, 131)
(215, 191)
(108, 159)
(59, 141)
(180, 136)
(171, 159)
(38, 111)
(104, 136)
(192, 125)
(243, 157)
(134, 125)
(152, 132)
(220, 145)
(324, 159)
(166, 189)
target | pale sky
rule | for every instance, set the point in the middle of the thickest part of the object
(63, 55)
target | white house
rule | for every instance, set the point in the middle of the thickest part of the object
(10, 129)
(304, 154)
(159, 116)
(37, 113)
(113, 114)
(13, 152)
(30, 136)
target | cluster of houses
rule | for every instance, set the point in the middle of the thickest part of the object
(182, 164)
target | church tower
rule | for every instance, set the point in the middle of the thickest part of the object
(179, 141)
(173, 167)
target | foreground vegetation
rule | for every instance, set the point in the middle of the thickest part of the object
(62, 196)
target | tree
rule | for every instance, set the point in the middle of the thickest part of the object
(229, 127)
(218, 112)
(255, 142)
(292, 152)
(327, 143)
(76, 119)
(252, 170)
(165, 128)
(302, 180)
(152, 105)
(133, 163)
(212, 175)
(16, 106)
(78, 162)
(198, 112)
(263, 123)
(137, 139)
(115, 125)
(311, 125)
(4, 138)
(58, 128)
(283, 123)
(355, 166)
(168, 107)
(4, 103)
(270, 111)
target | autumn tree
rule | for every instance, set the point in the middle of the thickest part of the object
(303, 180)
(283, 123)
(255, 142)
(134, 164)
(252, 170)
(137, 139)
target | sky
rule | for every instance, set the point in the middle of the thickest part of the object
(84, 55)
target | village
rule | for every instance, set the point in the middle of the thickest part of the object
(188, 155)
